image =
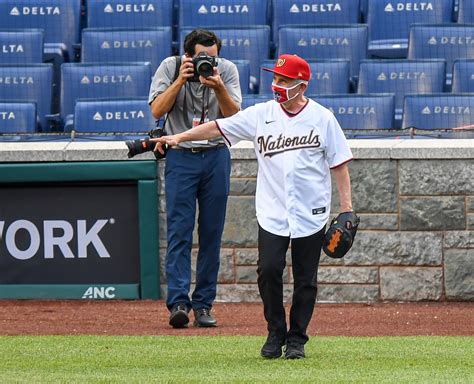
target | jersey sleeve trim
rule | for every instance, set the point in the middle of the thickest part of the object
(344, 162)
(222, 133)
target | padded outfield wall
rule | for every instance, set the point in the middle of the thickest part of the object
(76, 229)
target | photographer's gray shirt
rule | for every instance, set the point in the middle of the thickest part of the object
(197, 96)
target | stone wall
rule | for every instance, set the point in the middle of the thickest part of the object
(415, 240)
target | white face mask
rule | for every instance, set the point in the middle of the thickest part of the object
(281, 94)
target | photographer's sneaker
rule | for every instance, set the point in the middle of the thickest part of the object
(179, 316)
(203, 318)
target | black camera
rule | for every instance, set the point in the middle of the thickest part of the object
(203, 66)
(136, 147)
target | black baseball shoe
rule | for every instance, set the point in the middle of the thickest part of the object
(203, 318)
(272, 347)
(179, 316)
(294, 351)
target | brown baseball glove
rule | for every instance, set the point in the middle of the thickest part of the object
(340, 235)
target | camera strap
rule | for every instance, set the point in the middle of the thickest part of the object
(205, 100)
(176, 68)
(175, 76)
(204, 106)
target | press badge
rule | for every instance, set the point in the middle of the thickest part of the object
(196, 122)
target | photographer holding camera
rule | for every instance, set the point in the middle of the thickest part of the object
(192, 90)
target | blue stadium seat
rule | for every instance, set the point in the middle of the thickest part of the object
(252, 44)
(326, 42)
(21, 46)
(249, 100)
(129, 14)
(95, 81)
(113, 116)
(463, 76)
(243, 66)
(112, 45)
(360, 111)
(441, 111)
(327, 77)
(448, 42)
(17, 117)
(364, 6)
(29, 83)
(266, 78)
(401, 77)
(389, 23)
(305, 13)
(466, 12)
(60, 20)
(225, 13)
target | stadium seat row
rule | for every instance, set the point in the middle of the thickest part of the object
(112, 36)
(131, 117)
(33, 83)
(448, 42)
(377, 111)
(388, 21)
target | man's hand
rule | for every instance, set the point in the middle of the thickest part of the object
(340, 234)
(186, 70)
(170, 141)
(215, 81)
(227, 105)
(207, 130)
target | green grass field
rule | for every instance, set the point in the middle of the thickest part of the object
(178, 359)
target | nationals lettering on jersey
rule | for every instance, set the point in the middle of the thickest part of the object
(269, 145)
(295, 154)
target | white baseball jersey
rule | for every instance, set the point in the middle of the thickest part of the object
(295, 154)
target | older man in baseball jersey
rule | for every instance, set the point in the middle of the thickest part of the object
(298, 143)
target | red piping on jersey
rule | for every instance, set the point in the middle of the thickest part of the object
(222, 134)
(345, 162)
(289, 114)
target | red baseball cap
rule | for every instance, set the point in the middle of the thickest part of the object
(291, 66)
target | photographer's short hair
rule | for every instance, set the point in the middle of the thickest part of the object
(202, 37)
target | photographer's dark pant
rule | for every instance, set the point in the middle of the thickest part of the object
(191, 177)
(305, 254)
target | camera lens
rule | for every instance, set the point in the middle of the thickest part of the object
(205, 68)
(135, 147)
